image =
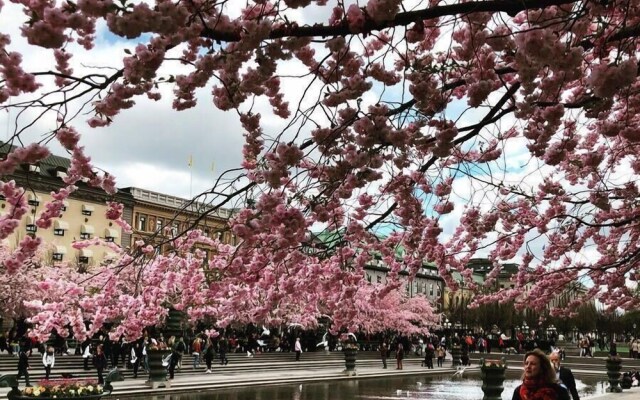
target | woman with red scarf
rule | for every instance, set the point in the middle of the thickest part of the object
(539, 380)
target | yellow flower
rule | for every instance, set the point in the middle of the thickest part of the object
(28, 390)
(36, 392)
(90, 388)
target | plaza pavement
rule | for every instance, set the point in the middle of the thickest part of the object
(308, 372)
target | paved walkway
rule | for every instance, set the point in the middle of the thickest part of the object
(221, 379)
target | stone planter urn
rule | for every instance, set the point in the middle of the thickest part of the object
(157, 371)
(456, 352)
(614, 365)
(492, 372)
(350, 356)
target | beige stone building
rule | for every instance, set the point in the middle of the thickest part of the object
(83, 216)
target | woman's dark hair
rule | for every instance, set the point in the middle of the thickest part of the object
(547, 373)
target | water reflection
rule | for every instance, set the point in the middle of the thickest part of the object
(413, 387)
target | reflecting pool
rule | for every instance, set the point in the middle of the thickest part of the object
(412, 387)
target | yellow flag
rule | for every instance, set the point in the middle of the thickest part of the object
(190, 161)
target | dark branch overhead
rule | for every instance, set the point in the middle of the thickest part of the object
(511, 7)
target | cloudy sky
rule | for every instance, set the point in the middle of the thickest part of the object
(148, 146)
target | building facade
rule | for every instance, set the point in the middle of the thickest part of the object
(157, 218)
(83, 216)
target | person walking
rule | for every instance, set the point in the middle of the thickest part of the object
(384, 353)
(173, 363)
(298, 349)
(86, 353)
(48, 360)
(428, 355)
(209, 352)
(100, 362)
(564, 375)
(196, 349)
(114, 354)
(223, 349)
(539, 380)
(441, 352)
(399, 355)
(135, 357)
(23, 366)
(180, 348)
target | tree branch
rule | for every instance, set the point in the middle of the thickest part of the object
(510, 7)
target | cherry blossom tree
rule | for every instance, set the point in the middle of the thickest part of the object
(451, 130)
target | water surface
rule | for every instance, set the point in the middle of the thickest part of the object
(412, 387)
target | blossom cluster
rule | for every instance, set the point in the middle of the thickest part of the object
(517, 143)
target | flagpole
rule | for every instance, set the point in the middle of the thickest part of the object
(190, 177)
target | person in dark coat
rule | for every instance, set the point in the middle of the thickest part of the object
(23, 366)
(123, 352)
(223, 349)
(136, 357)
(107, 346)
(209, 353)
(173, 363)
(86, 353)
(384, 353)
(399, 355)
(100, 362)
(429, 353)
(564, 375)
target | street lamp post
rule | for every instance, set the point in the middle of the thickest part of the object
(447, 327)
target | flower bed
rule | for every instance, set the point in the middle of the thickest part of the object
(63, 388)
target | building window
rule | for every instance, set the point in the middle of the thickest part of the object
(174, 229)
(87, 209)
(110, 234)
(159, 223)
(84, 256)
(438, 290)
(57, 256)
(59, 226)
(31, 228)
(379, 279)
(142, 222)
(431, 289)
(33, 200)
(86, 232)
(369, 278)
